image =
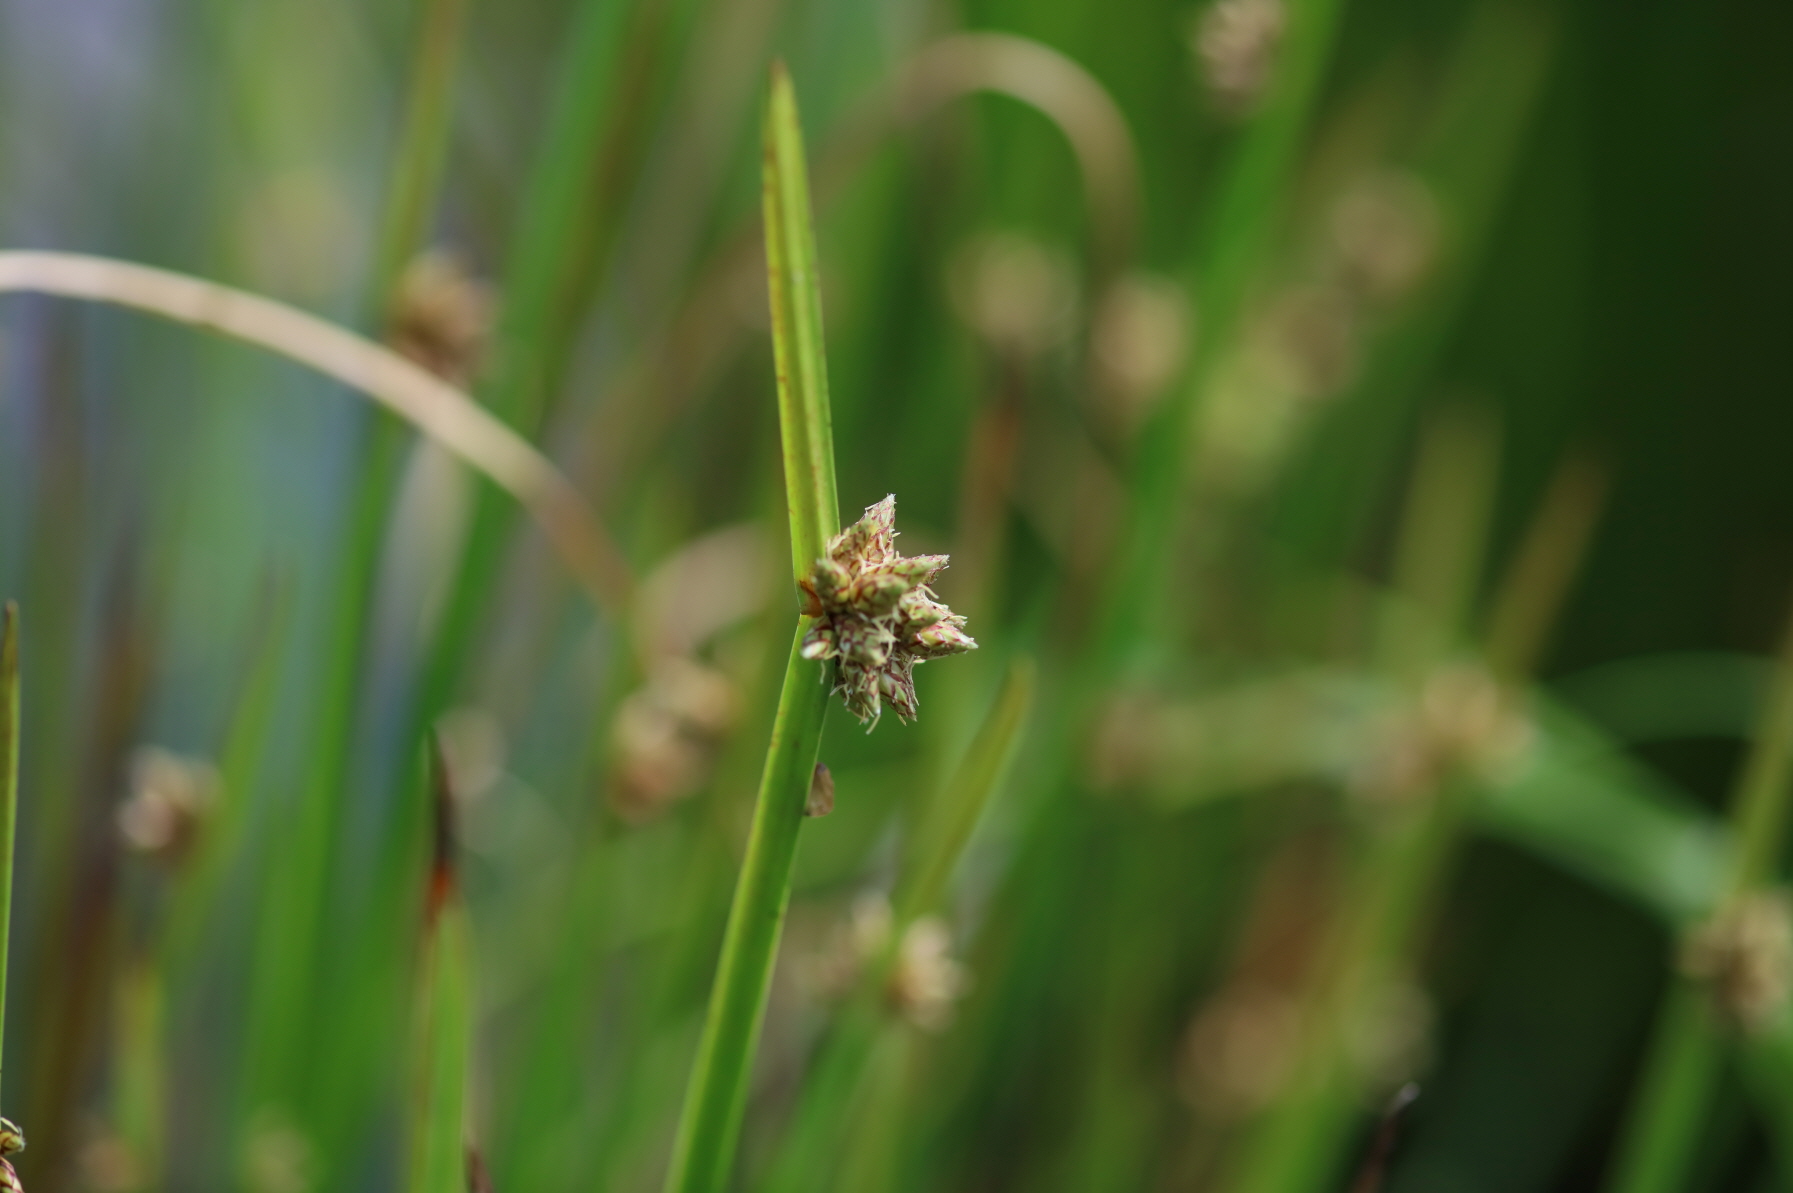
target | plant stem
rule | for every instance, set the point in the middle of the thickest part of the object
(716, 1098)
(1657, 1149)
(717, 1095)
(1235, 237)
(422, 144)
(9, 785)
(805, 422)
(1677, 1085)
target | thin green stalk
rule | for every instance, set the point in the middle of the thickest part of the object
(1235, 237)
(286, 968)
(806, 424)
(422, 143)
(827, 1108)
(9, 787)
(710, 1124)
(539, 300)
(953, 814)
(1675, 1092)
(443, 1008)
(1660, 1141)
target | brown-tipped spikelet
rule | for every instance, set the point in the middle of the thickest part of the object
(877, 617)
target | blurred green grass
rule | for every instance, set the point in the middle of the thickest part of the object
(1172, 432)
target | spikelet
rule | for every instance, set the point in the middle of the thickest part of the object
(877, 618)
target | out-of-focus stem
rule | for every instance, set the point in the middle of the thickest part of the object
(9, 787)
(1680, 1077)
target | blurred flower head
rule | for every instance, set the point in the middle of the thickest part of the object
(1463, 723)
(441, 317)
(1383, 234)
(277, 1157)
(170, 796)
(666, 734)
(928, 981)
(1140, 339)
(1235, 42)
(1017, 294)
(1239, 1049)
(1744, 955)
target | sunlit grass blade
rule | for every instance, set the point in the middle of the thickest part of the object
(709, 1125)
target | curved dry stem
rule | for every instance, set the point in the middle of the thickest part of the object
(437, 409)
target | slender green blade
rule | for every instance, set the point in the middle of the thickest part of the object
(444, 1028)
(710, 1123)
(444, 1015)
(9, 784)
(957, 807)
(805, 424)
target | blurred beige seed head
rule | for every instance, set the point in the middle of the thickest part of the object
(276, 1157)
(666, 733)
(928, 981)
(1140, 339)
(1235, 42)
(1014, 292)
(441, 317)
(876, 617)
(108, 1165)
(1384, 234)
(170, 796)
(1239, 1051)
(1744, 955)
(1307, 341)
(1463, 723)
(858, 941)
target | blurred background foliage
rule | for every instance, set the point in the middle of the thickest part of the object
(1366, 419)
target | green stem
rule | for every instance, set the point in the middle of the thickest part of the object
(711, 1120)
(1234, 240)
(1680, 1076)
(9, 784)
(422, 145)
(716, 1098)
(1679, 1080)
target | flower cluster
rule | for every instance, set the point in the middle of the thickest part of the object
(876, 616)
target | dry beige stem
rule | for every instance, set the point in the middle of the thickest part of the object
(437, 409)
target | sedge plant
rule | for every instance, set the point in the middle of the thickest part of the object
(867, 613)
(1726, 988)
(710, 1123)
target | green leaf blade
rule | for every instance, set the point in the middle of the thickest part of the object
(805, 422)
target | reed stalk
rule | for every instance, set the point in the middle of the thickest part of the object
(710, 1124)
(1680, 1077)
(9, 792)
